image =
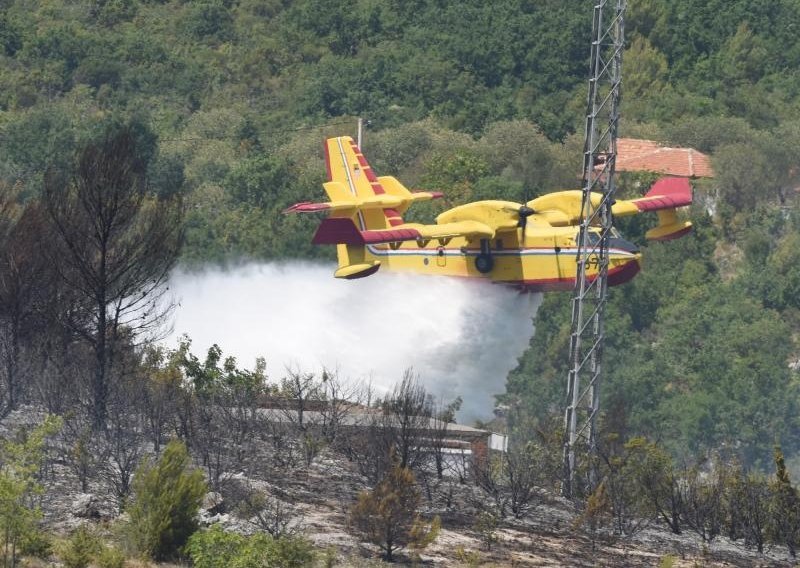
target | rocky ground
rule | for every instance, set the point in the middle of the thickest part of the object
(317, 499)
(546, 537)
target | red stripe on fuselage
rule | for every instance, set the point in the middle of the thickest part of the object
(616, 276)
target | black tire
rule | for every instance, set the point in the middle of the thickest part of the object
(484, 263)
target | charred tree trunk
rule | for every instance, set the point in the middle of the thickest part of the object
(115, 245)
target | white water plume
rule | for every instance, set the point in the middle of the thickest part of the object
(461, 337)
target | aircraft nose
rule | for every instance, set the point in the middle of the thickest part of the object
(622, 244)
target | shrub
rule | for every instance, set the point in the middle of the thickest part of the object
(387, 515)
(467, 557)
(167, 498)
(20, 468)
(213, 548)
(80, 549)
(111, 557)
(486, 526)
(37, 544)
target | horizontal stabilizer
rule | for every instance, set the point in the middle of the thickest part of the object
(308, 207)
(352, 204)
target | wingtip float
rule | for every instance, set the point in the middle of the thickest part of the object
(532, 246)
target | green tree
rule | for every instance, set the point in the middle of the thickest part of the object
(646, 69)
(387, 515)
(82, 547)
(742, 169)
(167, 497)
(659, 484)
(784, 507)
(20, 486)
(225, 408)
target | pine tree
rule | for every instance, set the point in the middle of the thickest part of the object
(387, 517)
(168, 497)
(784, 507)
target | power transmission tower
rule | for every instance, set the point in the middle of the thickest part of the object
(589, 298)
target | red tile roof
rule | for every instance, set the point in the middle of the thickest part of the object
(649, 156)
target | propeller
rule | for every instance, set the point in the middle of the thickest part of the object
(523, 211)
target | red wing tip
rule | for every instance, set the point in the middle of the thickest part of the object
(307, 207)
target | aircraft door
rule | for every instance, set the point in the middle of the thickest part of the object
(441, 257)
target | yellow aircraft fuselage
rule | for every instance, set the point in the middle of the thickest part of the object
(545, 260)
(532, 246)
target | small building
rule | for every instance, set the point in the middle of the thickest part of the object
(635, 155)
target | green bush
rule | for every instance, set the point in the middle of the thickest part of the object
(111, 557)
(80, 549)
(214, 547)
(167, 498)
(20, 468)
(37, 544)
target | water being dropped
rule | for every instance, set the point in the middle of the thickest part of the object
(461, 336)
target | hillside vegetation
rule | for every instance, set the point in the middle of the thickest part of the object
(223, 105)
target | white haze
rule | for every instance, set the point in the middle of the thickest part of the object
(461, 337)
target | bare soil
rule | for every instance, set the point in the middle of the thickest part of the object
(320, 496)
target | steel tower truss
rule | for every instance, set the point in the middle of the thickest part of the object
(589, 298)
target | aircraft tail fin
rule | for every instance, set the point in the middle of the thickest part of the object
(666, 193)
(354, 191)
(363, 208)
(664, 197)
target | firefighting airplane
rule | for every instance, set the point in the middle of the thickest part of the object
(531, 246)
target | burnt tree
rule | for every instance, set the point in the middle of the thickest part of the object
(24, 283)
(407, 419)
(116, 243)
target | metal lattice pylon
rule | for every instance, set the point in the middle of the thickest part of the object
(589, 298)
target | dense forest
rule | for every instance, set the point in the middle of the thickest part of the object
(216, 110)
